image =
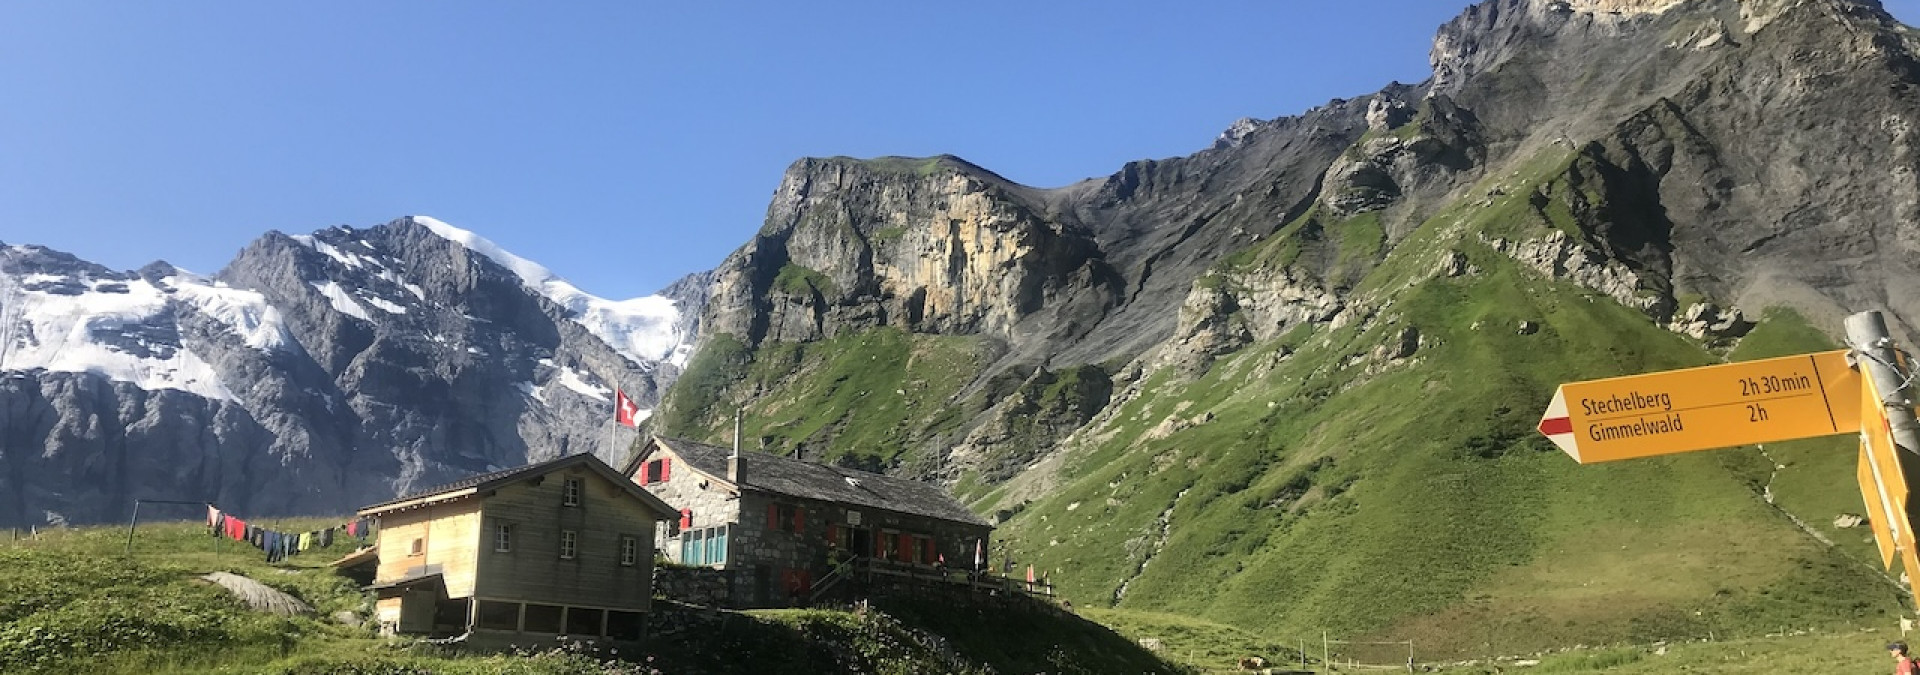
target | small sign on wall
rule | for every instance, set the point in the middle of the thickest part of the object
(853, 518)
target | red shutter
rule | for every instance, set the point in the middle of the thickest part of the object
(799, 520)
(879, 544)
(666, 469)
(932, 553)
(646, 469)
(686, 518)
(906, 547)
(833, 534)
(773, 516)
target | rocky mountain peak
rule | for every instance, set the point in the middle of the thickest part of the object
(315, 372)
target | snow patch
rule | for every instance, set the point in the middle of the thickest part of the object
(246, 313)
(351, 260)
(641, 329)
(341, 301)
(532, 392)
(572, 379)
(386, 305)
(119, 336)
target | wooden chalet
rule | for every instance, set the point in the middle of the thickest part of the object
(559, 547)
(777, 524)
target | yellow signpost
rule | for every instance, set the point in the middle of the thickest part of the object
(1805, 396)
(1881, 513)
(1703, 408)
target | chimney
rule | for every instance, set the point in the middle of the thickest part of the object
(733, 460)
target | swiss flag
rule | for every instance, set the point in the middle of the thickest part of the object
(625, 411)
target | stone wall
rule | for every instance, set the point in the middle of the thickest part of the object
(763, 555)
(701, 586)
(685, 488)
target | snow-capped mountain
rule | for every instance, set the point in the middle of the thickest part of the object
(315, 373)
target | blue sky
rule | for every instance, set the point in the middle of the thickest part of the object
(622, 144)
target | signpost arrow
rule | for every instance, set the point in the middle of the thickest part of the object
(1702, 408)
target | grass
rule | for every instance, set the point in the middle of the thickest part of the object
(794, 279)
(74, 602)
(865, 397)
(1327, 491)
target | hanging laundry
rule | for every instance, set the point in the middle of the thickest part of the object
(306, 541)
(326, 537)
(218, 525)
(213, 517)
(270, 541)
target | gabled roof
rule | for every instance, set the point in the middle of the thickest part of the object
(799, 478)
(488, 481)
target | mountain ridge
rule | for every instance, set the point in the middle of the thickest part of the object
(1292, 378)
(315, 373)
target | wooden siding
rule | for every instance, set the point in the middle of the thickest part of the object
(533, 570)
(449, 533)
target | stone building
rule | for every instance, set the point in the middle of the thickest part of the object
(560, 547)
(773, 523)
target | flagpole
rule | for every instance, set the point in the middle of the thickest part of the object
(614, 426)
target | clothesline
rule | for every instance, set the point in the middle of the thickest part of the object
(278, 545)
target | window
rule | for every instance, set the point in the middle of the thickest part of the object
(629, 550)
(502, 538)
(582, 621)
(706, 546)
(419, 547)
(786, 517)
(623, 625)
(690, 551)
(657, 471)
(543, 618)
(570, 492)
(495, 615)
(569, 544)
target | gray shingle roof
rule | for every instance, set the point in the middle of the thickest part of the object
(506, 476)
(799, 478)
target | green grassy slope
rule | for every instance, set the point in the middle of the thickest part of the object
(863, 398)
(1310, 487)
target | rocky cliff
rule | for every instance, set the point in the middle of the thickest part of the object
(314, 374)
(1271, 368)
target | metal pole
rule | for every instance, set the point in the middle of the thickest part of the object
(1326, 656)
(131, 523)
(1873, 348)
(1867, 335)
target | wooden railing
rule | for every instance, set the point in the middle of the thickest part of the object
(865, 571)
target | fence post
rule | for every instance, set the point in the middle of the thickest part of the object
(131, 523)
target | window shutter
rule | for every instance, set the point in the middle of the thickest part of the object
(799, 520)
(666, 468)
(773, 516)
(645, 474)
(686, 518)
(833, 534)
(879, 544)
(906, 547)
(932, 553)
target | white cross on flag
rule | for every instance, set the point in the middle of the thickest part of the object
(625, 411)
